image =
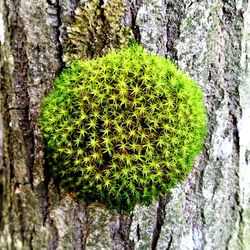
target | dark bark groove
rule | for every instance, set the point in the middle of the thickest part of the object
(160, 216)
(131, 15)
(120, 232)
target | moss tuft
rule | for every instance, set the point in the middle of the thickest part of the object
(124, 128)
(95, 30)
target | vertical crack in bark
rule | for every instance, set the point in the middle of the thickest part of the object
(58, 35)
(174, 15)
(170, 243)
(57, 32)
(131, 14)
(18, 42)
(200, 178)
(45, 205)
(120, 232)
(160, 216)
(236, 137)
(138, 232)
(53, 244)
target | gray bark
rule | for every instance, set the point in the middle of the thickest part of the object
(208, 39)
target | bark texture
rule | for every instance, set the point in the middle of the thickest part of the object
(210, 40)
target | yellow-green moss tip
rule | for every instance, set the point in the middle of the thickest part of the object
(124, 128)
(96, 29)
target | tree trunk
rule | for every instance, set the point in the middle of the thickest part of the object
(211, 210)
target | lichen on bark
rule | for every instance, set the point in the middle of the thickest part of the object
(95, 29)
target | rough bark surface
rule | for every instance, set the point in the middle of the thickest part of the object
(209, 39)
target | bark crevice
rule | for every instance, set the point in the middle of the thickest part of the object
(132, 8)
(160, 216)
(120, 232)
(57, 32)
(174, 15)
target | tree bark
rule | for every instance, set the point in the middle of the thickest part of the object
(211, 210)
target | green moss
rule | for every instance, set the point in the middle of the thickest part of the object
(96, 29)
(124, 128)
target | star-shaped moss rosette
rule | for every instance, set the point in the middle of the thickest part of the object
(124, 128)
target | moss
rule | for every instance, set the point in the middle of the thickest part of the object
(124, 128)
(95, 30)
